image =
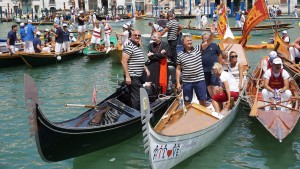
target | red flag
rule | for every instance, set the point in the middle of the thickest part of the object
(257, 14)
(222, 23)
(94, 97)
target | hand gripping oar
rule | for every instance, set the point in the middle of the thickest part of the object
(253, 111)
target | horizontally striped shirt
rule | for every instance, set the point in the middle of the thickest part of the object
(191, 65)
(136, 59)
(173, 29)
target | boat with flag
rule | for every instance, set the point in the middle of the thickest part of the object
(104, 124)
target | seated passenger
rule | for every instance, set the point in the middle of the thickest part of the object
(295, 50)
(37, 44)
(235, 68)
(276, 83)
(267, 62)
(229, 88)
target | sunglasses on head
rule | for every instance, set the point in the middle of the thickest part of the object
(137, 35)
(234, 56)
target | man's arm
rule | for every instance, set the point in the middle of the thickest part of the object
(125, 58)
(286, 85)
(164, 31)
(296, 43)
(210, 39)
(178, 72)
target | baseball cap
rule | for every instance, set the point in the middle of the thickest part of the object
(284, 31)
(277, 61)
(125, 26)
(38, 33)
(272, 55)
(46, 30)
(22, 24)
(29, 21)
(80, 12)
(65, 25)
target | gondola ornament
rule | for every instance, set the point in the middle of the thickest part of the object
(146, 115)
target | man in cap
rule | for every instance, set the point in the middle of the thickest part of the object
(58, 38)
(11, 39)
(276, 83)
(81, 27)
(295, 50)
(66, 38)
(155, 27)
(37, 44)
(22, 32)
(97, 34)
(242, 19)
(267, 62)
(124, 35)
(107, 32)
(284, 37)
(29, 37)
(47, 37)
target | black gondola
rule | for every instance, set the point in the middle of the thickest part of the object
(58, 141)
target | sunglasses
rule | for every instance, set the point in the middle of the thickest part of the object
(137, 35)
(234, 56)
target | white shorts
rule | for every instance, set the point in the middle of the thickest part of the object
(12, 49)
(66, 46)
(81, 28)
(29, 47)
(58, 47)
(46, 49)
(96, 40)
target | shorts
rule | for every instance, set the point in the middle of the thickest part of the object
(66, 46)
(12, 49)
(29, 47)
(95, 40)
(58, 47)
(189, 87)
(81, 28)
(222, 97)
(211, 79)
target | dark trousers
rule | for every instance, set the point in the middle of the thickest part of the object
(134, 89)
(173, 45)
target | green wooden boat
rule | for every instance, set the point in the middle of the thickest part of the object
(97, 54)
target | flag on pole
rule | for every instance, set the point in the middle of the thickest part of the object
(94, 97)
(257, 14)
(228, 33)
(222, 22)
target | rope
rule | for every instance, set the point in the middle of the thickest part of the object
(165, 97)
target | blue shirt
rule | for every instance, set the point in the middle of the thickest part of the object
(22, 34)
(59, 32)
(30, 33)
(66, 36)
(36, 41)
(209, 56)
(12, 36)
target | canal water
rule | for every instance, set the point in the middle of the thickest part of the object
(245, 144)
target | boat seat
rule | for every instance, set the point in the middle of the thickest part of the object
(121, 107)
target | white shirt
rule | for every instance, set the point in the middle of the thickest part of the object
(157, 27)
(242, 18)
(204, 19)
(197, 12)
(233, 86)
(125, 38)
(286, 39)
(285, 74)
(265, 65)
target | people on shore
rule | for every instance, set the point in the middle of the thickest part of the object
(133, 65)
(215, 18)
(56, 19)
(296, 12)
(204, 21)
(97, 35)
(189, 64)
(198, 16)
(11, 39)
(295, 50)
(276, 85)
(58, 34)
(285, 37)
(237, 20)
(66, 38)
(30, 31)
(37, 44)
(242, 19)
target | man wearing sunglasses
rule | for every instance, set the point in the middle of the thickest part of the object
(276, 83)
(134, 64)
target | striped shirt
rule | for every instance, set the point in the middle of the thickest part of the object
(191, 65)
(136, 59)
(173, 29)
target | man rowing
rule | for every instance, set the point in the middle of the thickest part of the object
(276, 84)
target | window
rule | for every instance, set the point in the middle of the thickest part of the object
(283, 2)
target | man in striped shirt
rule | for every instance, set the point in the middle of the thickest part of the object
(172, 28)
(189, 62)
(133, 63)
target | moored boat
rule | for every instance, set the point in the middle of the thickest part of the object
(116, 121)
(278, 122)
(42, 59)
(179, 134)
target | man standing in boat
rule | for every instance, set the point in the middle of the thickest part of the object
(81, 26)
(66, 38)
(29, 37)
(276, 84)
(97, 35)
(189, 62)
(107, 32)
(58, 38)
(134, 64)
(124, 35)
(11, 39)
(22, 32)
(295, 50)
(284, 37)
(172, 28)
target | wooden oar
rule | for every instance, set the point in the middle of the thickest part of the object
(253, 111)
(80, 105)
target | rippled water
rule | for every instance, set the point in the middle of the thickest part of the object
(245, 144)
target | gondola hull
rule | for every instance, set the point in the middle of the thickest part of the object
(6, 60)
